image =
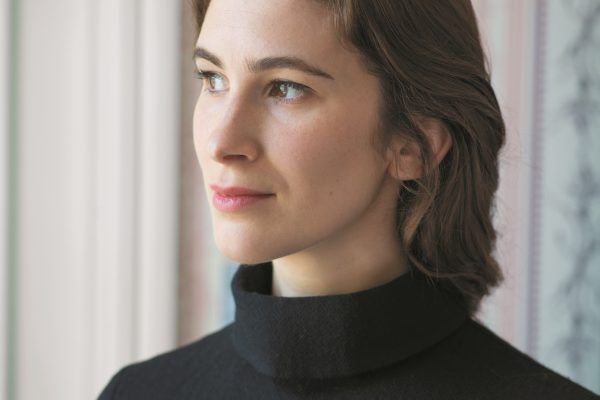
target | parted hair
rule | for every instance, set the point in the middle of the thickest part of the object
(428, 58)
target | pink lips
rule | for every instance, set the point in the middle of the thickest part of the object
(231, 199)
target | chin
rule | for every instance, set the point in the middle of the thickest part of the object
(244, 258)
(243, 252)
(251, 246)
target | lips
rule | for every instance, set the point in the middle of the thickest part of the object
(237, 191)
(231, 199)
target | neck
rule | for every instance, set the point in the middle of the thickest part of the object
(357, 260)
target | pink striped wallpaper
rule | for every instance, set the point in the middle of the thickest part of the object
(546, 71)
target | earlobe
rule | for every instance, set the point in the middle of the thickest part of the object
(405, 154)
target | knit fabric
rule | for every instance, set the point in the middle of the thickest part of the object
(406, 339)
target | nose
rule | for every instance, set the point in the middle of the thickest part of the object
(233, 137)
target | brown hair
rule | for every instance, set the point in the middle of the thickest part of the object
(428, 57)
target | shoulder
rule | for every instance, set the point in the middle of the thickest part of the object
(165, 374)
(503, 369)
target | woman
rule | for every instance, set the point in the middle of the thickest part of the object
(350, 155)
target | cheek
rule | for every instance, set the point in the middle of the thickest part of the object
(329, 158)
(196, 130)
(200, 127)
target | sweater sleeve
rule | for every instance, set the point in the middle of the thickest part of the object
(109, 391)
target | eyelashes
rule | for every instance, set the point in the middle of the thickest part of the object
(280, 90)
(287, 91)
(209, 80)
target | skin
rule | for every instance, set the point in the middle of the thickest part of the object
(329, 227)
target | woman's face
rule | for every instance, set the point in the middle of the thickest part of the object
(287, 112)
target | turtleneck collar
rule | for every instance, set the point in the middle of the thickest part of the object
(319, 337)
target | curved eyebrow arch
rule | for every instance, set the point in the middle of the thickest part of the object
(267, 63)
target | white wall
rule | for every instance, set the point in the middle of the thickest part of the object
(97, 174)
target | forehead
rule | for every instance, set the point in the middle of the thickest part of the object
(238, 29)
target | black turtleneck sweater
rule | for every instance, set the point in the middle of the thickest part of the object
(406, 339)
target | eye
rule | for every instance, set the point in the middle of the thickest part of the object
(214, 82)
(287, 91)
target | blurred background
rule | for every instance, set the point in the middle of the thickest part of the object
(106, 252)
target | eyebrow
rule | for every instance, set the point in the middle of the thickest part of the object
(267, 63)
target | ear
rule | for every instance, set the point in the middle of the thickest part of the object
(405, 155)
